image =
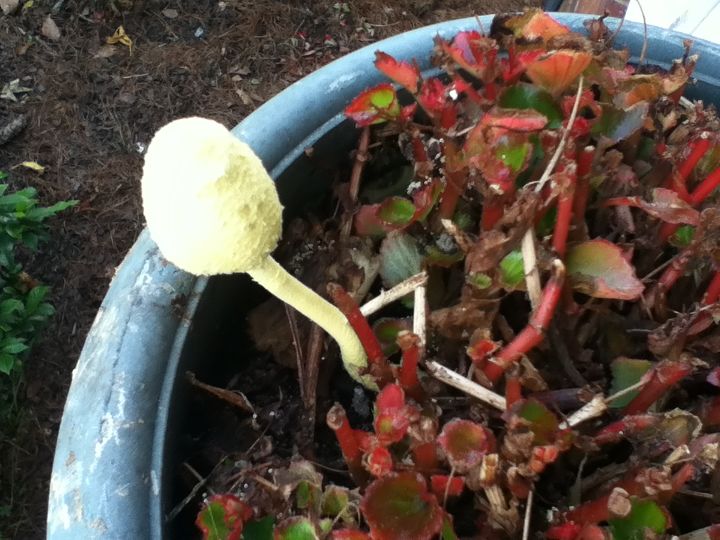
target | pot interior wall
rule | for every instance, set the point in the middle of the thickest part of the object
(217, 343)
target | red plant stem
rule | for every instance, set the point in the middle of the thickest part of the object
(338, 421)
(662, 378)
(513, 389)
(493, 208)
(712, 295)
(709, 412)
(408, 374)
(564, 211)
(677, 179)
(616, 431)
(703, 190)
(349, 307)
(418, 148)
(674, 271)
(456, 180)
(596, 511)
(582, 185)
(533, 334)
(425, 456)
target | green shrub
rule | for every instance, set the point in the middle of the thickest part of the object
(23, 309)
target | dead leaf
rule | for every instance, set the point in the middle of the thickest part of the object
(170, 13)
(34, 165)
(49, 29)
(244, 97)
(9, 6)
(106, 51)
(120, 37)
(13, 87)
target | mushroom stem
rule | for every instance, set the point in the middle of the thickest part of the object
(276, 280)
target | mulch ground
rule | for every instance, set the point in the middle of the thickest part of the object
(91, 109)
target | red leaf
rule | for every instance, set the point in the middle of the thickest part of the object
(465, 443)
(666, 206)
(440, 482)
(558, 69)
(474, 53)
(599, 269)
(514, 65)
(374, 105)
(515, 119)
(433, 97)
(393, 416)
(379, 462)
(399, 507)
(536, 24)
(403, 73)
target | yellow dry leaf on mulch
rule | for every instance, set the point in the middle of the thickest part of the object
(34, 165)
(120, 37)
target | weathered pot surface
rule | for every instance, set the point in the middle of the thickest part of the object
(110, 476)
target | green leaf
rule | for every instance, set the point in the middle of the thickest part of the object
(7, 362)
(626, 372)
(644, 515)
(528, 96)
(683, 236)
(400, 258)
(297, 528)
(542, 422)
(616, 125)
(514, 155)
(598, 268)
(13, 346)
(512, 272)
(35, 297)
(396, 211)
(479, 280)
(387, 330)
(447, 532)
(3, 176)
(260, 529)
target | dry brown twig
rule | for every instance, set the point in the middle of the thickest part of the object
(391, 295)
(451, 378)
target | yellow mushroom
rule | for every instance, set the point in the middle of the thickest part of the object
(212, 208)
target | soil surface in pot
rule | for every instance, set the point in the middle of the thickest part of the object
(91, 109)
(577, 398)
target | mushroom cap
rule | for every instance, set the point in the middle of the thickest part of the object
(209, 203)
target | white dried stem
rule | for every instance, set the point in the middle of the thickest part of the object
(463, 241)
(592, 409)
(420, 315)
(450, 377)
(398, 291)
(528, 513)
(532, 275)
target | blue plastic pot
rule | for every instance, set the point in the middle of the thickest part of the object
(111, 474)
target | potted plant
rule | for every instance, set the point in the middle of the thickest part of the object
(112, 473)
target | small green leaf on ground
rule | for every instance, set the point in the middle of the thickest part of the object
(626, 372)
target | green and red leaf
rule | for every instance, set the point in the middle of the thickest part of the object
(443, 484)
(599, 268)
(399, 507)
(666, 205)
(541, 421)
(526, 96)
(295, 528)
(223, 517)
(405, 74)
(374, 105)
(615, 125)
(465, 443)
